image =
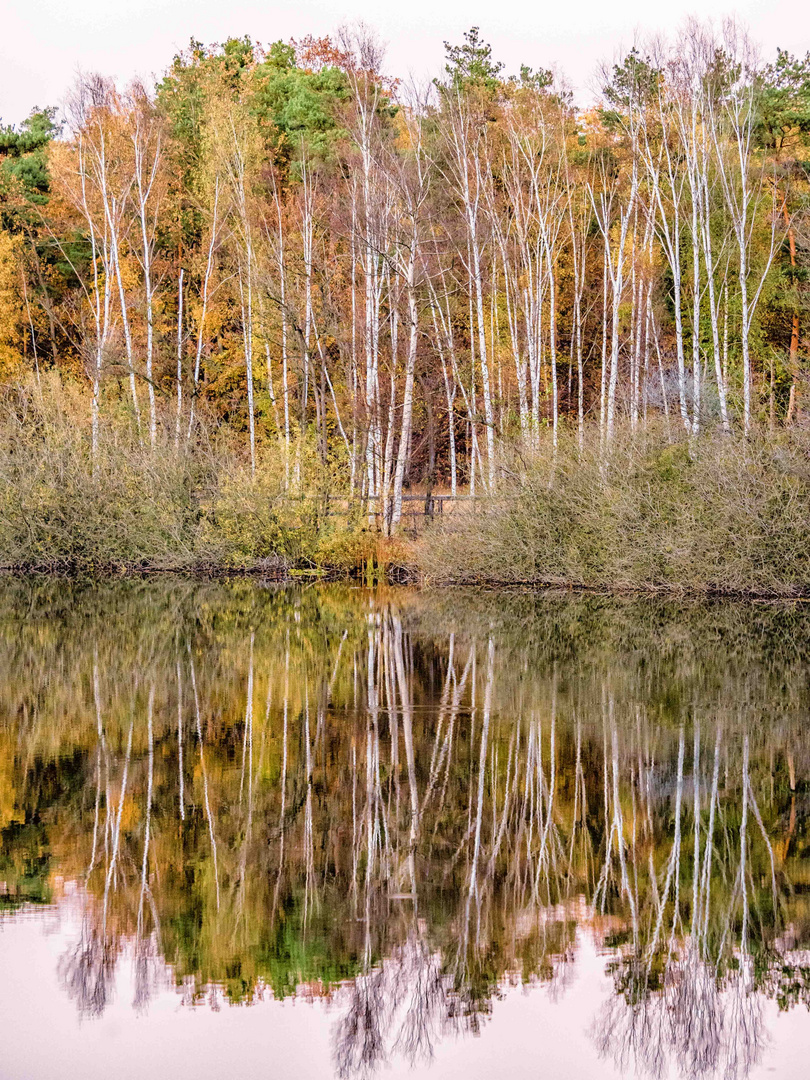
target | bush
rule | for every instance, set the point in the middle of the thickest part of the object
(137, 506)
(713, 514)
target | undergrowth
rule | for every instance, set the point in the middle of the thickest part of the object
(175, 505)
(714, 513)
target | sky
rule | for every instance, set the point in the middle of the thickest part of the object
(45, 42)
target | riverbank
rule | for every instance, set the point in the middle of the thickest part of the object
(659, 512)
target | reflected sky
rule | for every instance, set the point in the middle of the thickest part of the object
(324, 831)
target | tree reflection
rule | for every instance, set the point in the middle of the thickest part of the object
(340, 794)
(88, 969)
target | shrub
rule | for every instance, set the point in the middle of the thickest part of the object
(133, 505)
(712, 514)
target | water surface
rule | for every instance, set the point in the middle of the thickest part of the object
(275, 832)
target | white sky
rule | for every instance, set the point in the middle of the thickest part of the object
(44, 42)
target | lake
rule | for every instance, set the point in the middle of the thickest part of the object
(320, 831)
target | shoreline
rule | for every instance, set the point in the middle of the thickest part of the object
(401, 576)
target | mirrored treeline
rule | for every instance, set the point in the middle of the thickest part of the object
(405, 801)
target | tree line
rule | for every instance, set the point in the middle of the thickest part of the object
(402, 284)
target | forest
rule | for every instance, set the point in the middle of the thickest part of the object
(247, 313)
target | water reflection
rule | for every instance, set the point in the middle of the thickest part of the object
(404, 803)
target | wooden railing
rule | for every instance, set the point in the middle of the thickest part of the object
(422, 508)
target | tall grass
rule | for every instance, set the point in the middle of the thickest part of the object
(711, 514)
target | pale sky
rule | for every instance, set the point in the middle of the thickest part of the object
(44, 42)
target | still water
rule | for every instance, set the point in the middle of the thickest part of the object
(316, 832)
